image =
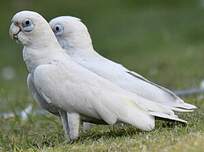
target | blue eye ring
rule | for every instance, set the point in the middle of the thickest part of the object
(58, 29)
(27, 25)
(27, 22)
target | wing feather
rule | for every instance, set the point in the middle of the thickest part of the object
(40, 99)
(90, 95)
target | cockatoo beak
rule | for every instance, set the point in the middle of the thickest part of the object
(14, 30)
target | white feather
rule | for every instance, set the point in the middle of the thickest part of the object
(75, 39)
(62, 83)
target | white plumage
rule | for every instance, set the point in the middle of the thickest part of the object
(62, 86)
(74, 37)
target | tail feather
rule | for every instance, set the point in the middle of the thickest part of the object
(168, 117)
(185, 106)
(181, 110)
(155, 107)
(161, 111)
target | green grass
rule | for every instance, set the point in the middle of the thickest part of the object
(45, 133)
(163, 40)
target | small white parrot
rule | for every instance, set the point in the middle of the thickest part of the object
(63, 86)
(74, 37)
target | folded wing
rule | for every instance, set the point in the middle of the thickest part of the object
(134, 82)
(66, 89)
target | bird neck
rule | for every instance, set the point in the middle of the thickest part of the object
(43, 40)
(77, 41)
(34, 57)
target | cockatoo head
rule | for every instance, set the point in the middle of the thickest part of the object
(71, 32)
(31, 29)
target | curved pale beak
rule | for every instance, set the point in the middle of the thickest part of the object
(14, 30)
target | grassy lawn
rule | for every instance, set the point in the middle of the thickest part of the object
(164, 41)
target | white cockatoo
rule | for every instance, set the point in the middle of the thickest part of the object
(74, 37)
(64, 87)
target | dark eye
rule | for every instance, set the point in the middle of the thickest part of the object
(27, 25)
(27, 22)
(58, 29)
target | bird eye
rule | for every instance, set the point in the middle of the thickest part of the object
(27, 25)
(58, 29)
(27, 22)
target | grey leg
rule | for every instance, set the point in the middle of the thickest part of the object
(63, 116)
(86, 126)
(74, 125)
